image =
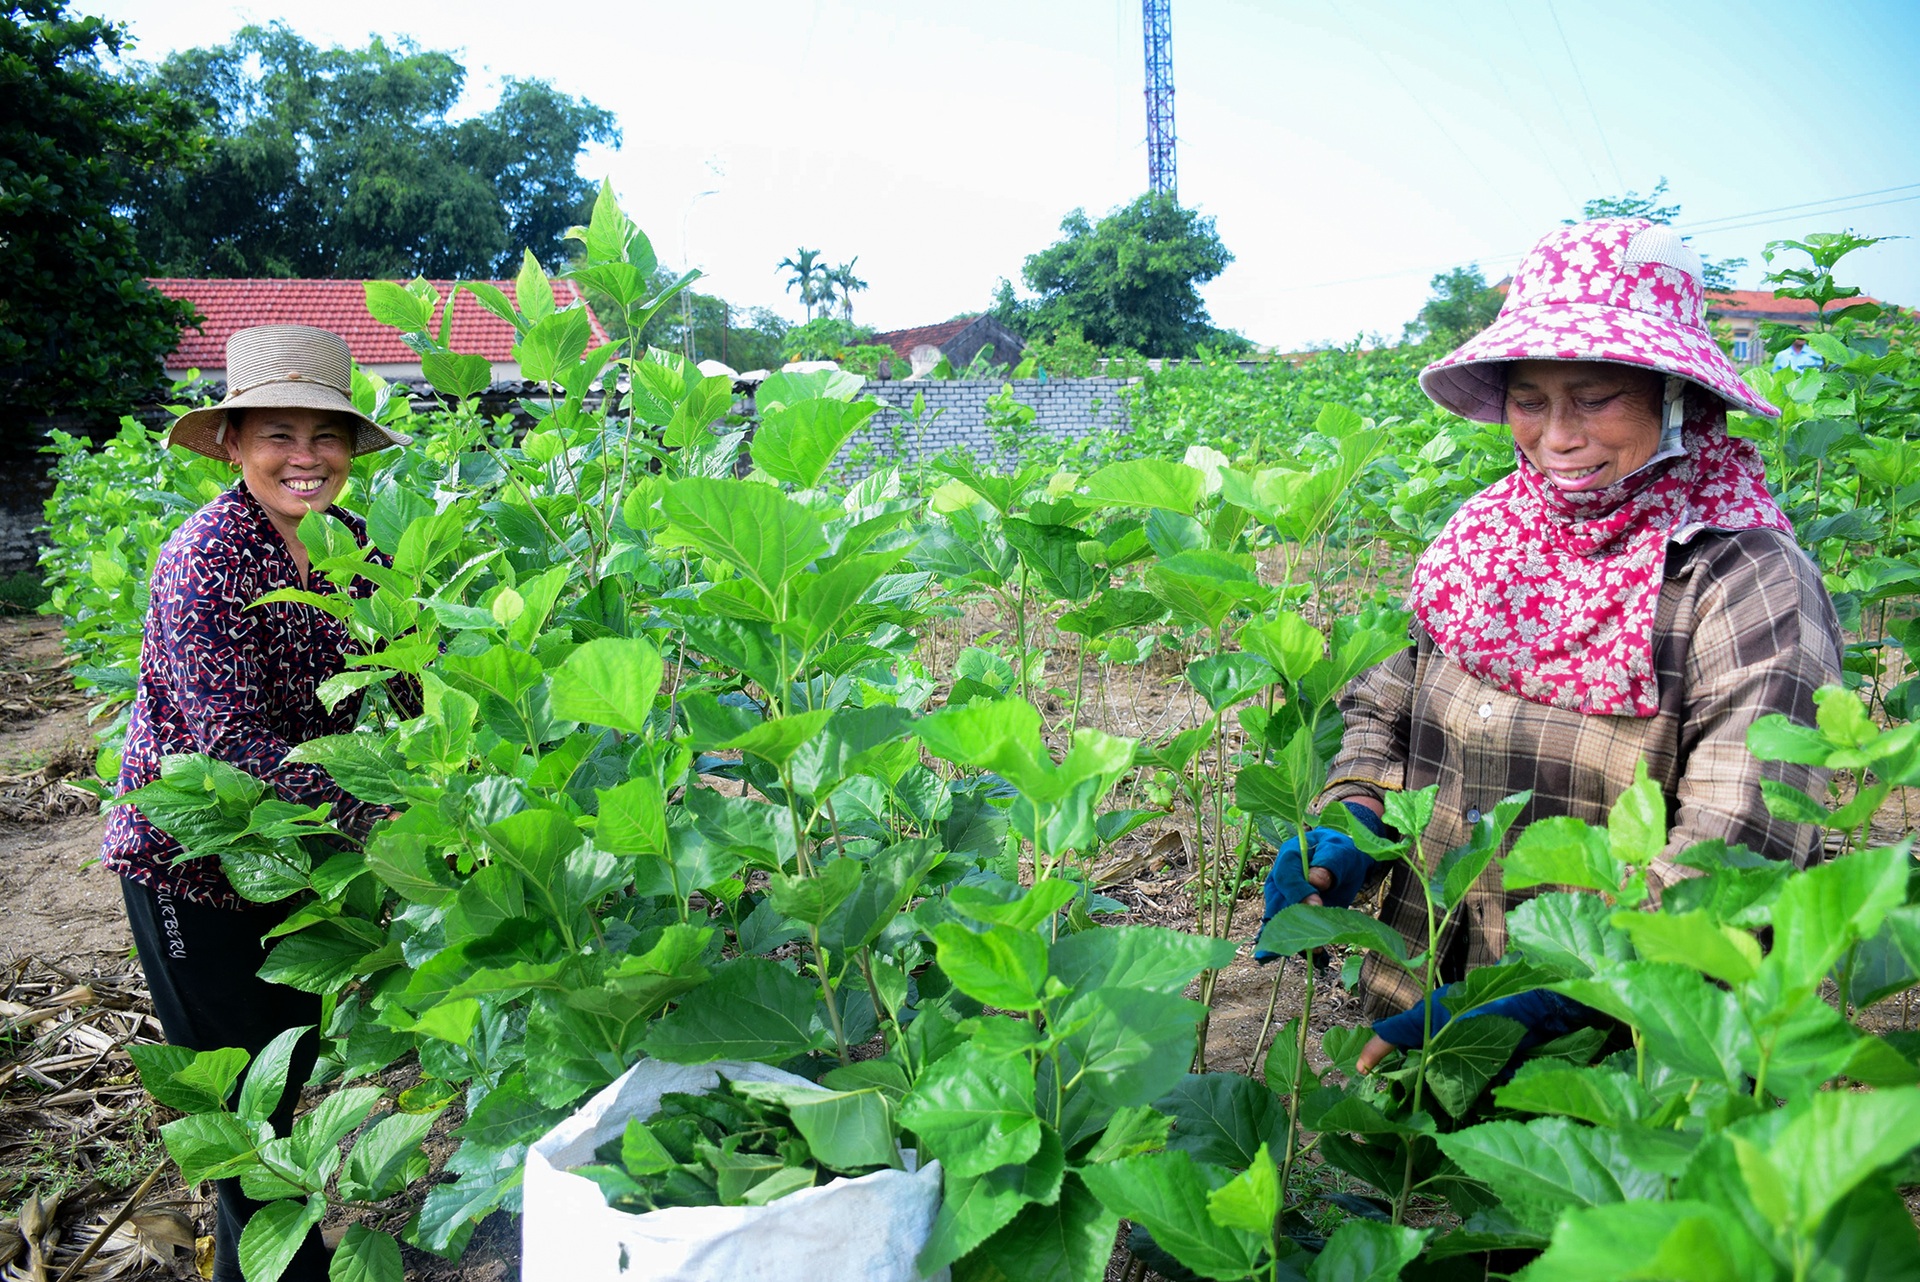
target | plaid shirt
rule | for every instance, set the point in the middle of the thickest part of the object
(232, 682)
(1744, 629)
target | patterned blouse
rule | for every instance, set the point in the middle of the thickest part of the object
(234, 683)
(1744, 628)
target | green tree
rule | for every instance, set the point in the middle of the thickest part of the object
(1717, 276)
(807, 274)
(80, 329)
(343, 163)
(1462, 305)
(1130, 280)
(842, 280)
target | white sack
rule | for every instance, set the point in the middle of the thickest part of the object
(851, 1230)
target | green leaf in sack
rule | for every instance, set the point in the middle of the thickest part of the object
(798, 442)
(845, 1129)
(975, 1207)
(1168, 1192)
(751, 1009)
(610, 681)
(1307, 926)
(273, 1235)
(974, 1110)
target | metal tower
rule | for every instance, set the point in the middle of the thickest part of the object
(1156, 21)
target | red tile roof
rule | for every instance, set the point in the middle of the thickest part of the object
(903, 341)
(341, 306)
(1762, 303)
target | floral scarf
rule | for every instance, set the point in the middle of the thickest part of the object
(1552, 596)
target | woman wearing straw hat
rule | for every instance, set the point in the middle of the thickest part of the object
(1630, 593)
(238, 684)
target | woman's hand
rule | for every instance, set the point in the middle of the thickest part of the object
(1372, 1053)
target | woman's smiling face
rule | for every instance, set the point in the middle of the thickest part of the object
(1584, 424)
(294, 461)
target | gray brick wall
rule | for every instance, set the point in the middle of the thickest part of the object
(956, 415)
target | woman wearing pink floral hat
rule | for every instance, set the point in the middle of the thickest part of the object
(1630, 594)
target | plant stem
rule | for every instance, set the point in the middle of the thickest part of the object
(1293, 1098)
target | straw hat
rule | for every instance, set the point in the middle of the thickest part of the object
(1623, 290)
(288, 367)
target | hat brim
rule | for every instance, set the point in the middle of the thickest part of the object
(199, 430)
(1469, 382)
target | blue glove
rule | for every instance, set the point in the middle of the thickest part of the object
(1328, 848)
(1545, 1015)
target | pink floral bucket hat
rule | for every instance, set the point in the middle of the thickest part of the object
(1618, 289)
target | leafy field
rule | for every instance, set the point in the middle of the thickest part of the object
(687, 781)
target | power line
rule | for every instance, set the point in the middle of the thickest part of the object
(1536, 63)
(1464, 17)
(1582, 81)
(1706, 224)
(1772, 215)
(1823, 213)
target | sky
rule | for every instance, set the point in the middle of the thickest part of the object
(1347, 151)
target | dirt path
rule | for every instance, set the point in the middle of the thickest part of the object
(56, 904)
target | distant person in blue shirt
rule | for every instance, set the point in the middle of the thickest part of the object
(1798, 357)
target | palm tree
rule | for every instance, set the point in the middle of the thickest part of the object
(806, 268)
(842, 278)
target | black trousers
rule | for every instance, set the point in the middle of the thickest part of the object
(201, 965)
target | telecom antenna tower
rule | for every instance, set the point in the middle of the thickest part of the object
(1156, 21)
